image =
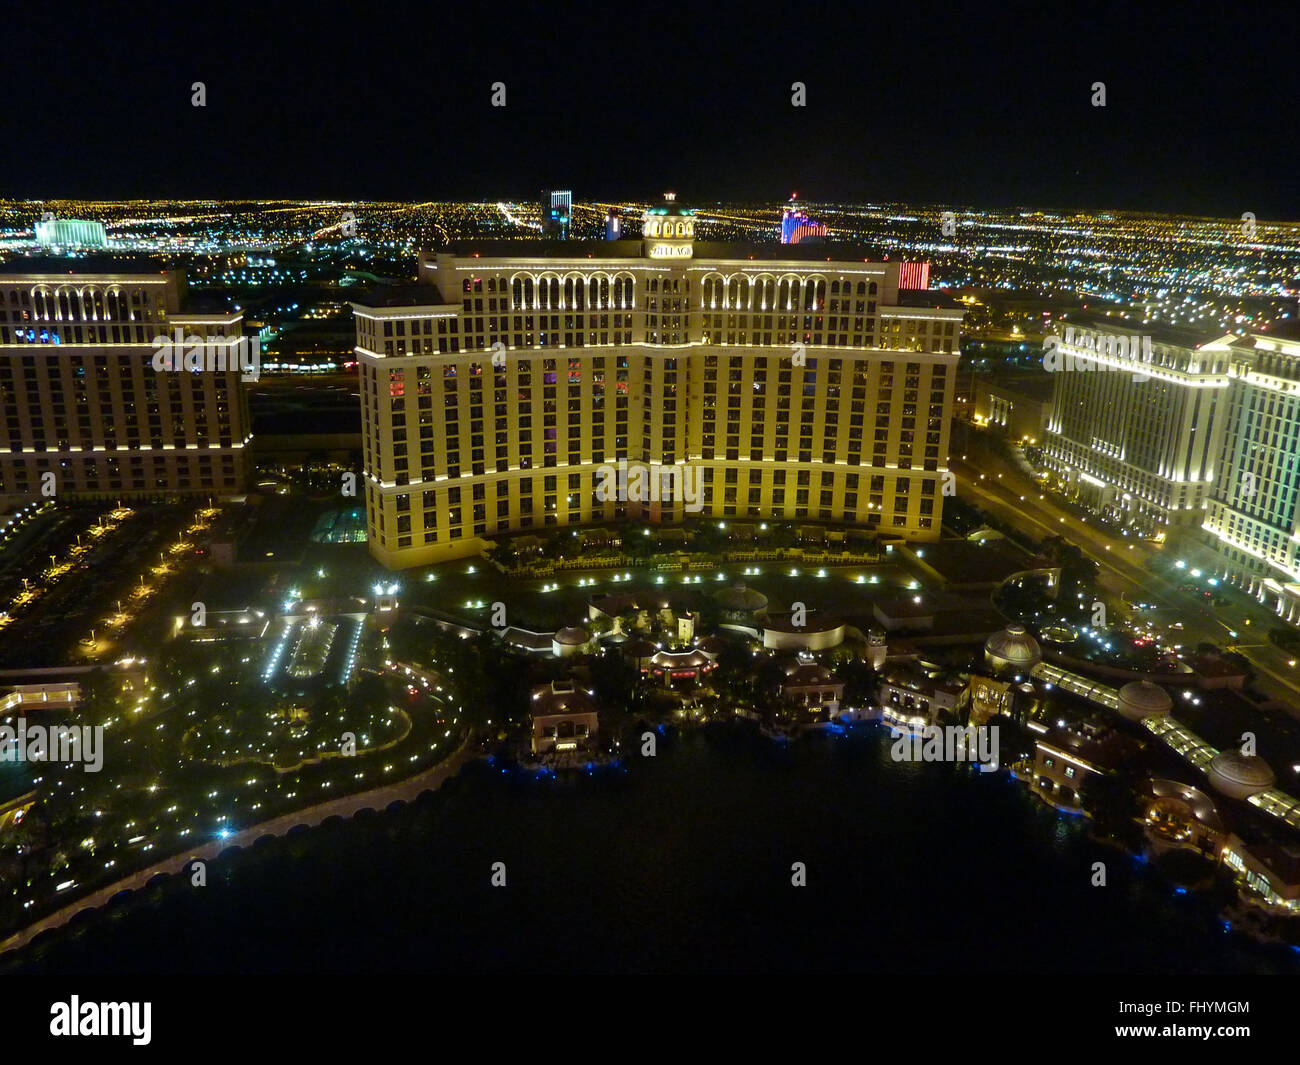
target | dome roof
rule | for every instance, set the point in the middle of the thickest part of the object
(572, 637)
(691, 659)
(738, 597)
(1141, 698)
(640, 648)
(1240, 775)
(671, 207)
(1200, 804)
(672, 210)
(1012, 648)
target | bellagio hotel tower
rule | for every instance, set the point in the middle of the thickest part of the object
(803, 384)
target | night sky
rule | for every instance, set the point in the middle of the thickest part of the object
(985, 106)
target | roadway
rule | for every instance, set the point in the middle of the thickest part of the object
(1134, 568)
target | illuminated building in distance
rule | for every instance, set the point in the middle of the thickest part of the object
(1135, 436)
(83, 402)
(557, 213)
(69, 233)
(1190, 432)
(797, 227)
(1253, 516)
(797, 384)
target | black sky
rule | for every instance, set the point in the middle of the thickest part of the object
(972, 105)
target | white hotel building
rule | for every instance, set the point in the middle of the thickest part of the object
(1205, 435)
(1252, 517)
(1136, 435)
(798, 380)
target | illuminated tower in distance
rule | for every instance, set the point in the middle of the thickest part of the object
(798, 228)
(557, 210)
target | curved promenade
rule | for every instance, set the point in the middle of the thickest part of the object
(346, 806)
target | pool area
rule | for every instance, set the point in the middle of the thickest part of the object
(345, 525)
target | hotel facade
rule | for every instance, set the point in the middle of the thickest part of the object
(1252, 517)
(1202, 435)
(1135, 429)
(502, 390)
(85, 412)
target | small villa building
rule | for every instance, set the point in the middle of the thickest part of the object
(564, 717)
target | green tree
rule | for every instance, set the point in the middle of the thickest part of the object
(1111, 800)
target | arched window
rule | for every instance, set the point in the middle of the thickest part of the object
(625, 292)
(712, 291)
(786, 295)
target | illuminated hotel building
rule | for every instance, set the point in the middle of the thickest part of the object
(80, 397)
(69, 233)
(1252, 518)
(1205, 435)
(1136, 439)
(802, 387)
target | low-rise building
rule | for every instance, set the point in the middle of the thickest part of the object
(1177, 815)
(1019, 406)
(911, 700)
(1269, 873)
(803, 631)
(1071, 751)
(812, 685)
(565, 717)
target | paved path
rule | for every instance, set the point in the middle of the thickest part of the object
(376, 799)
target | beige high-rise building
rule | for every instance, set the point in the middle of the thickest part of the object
(1187, 432)
(515, 384)
(1253, 516)
(85, 411)
(1136, 425)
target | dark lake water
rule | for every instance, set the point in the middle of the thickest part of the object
(679, 863)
